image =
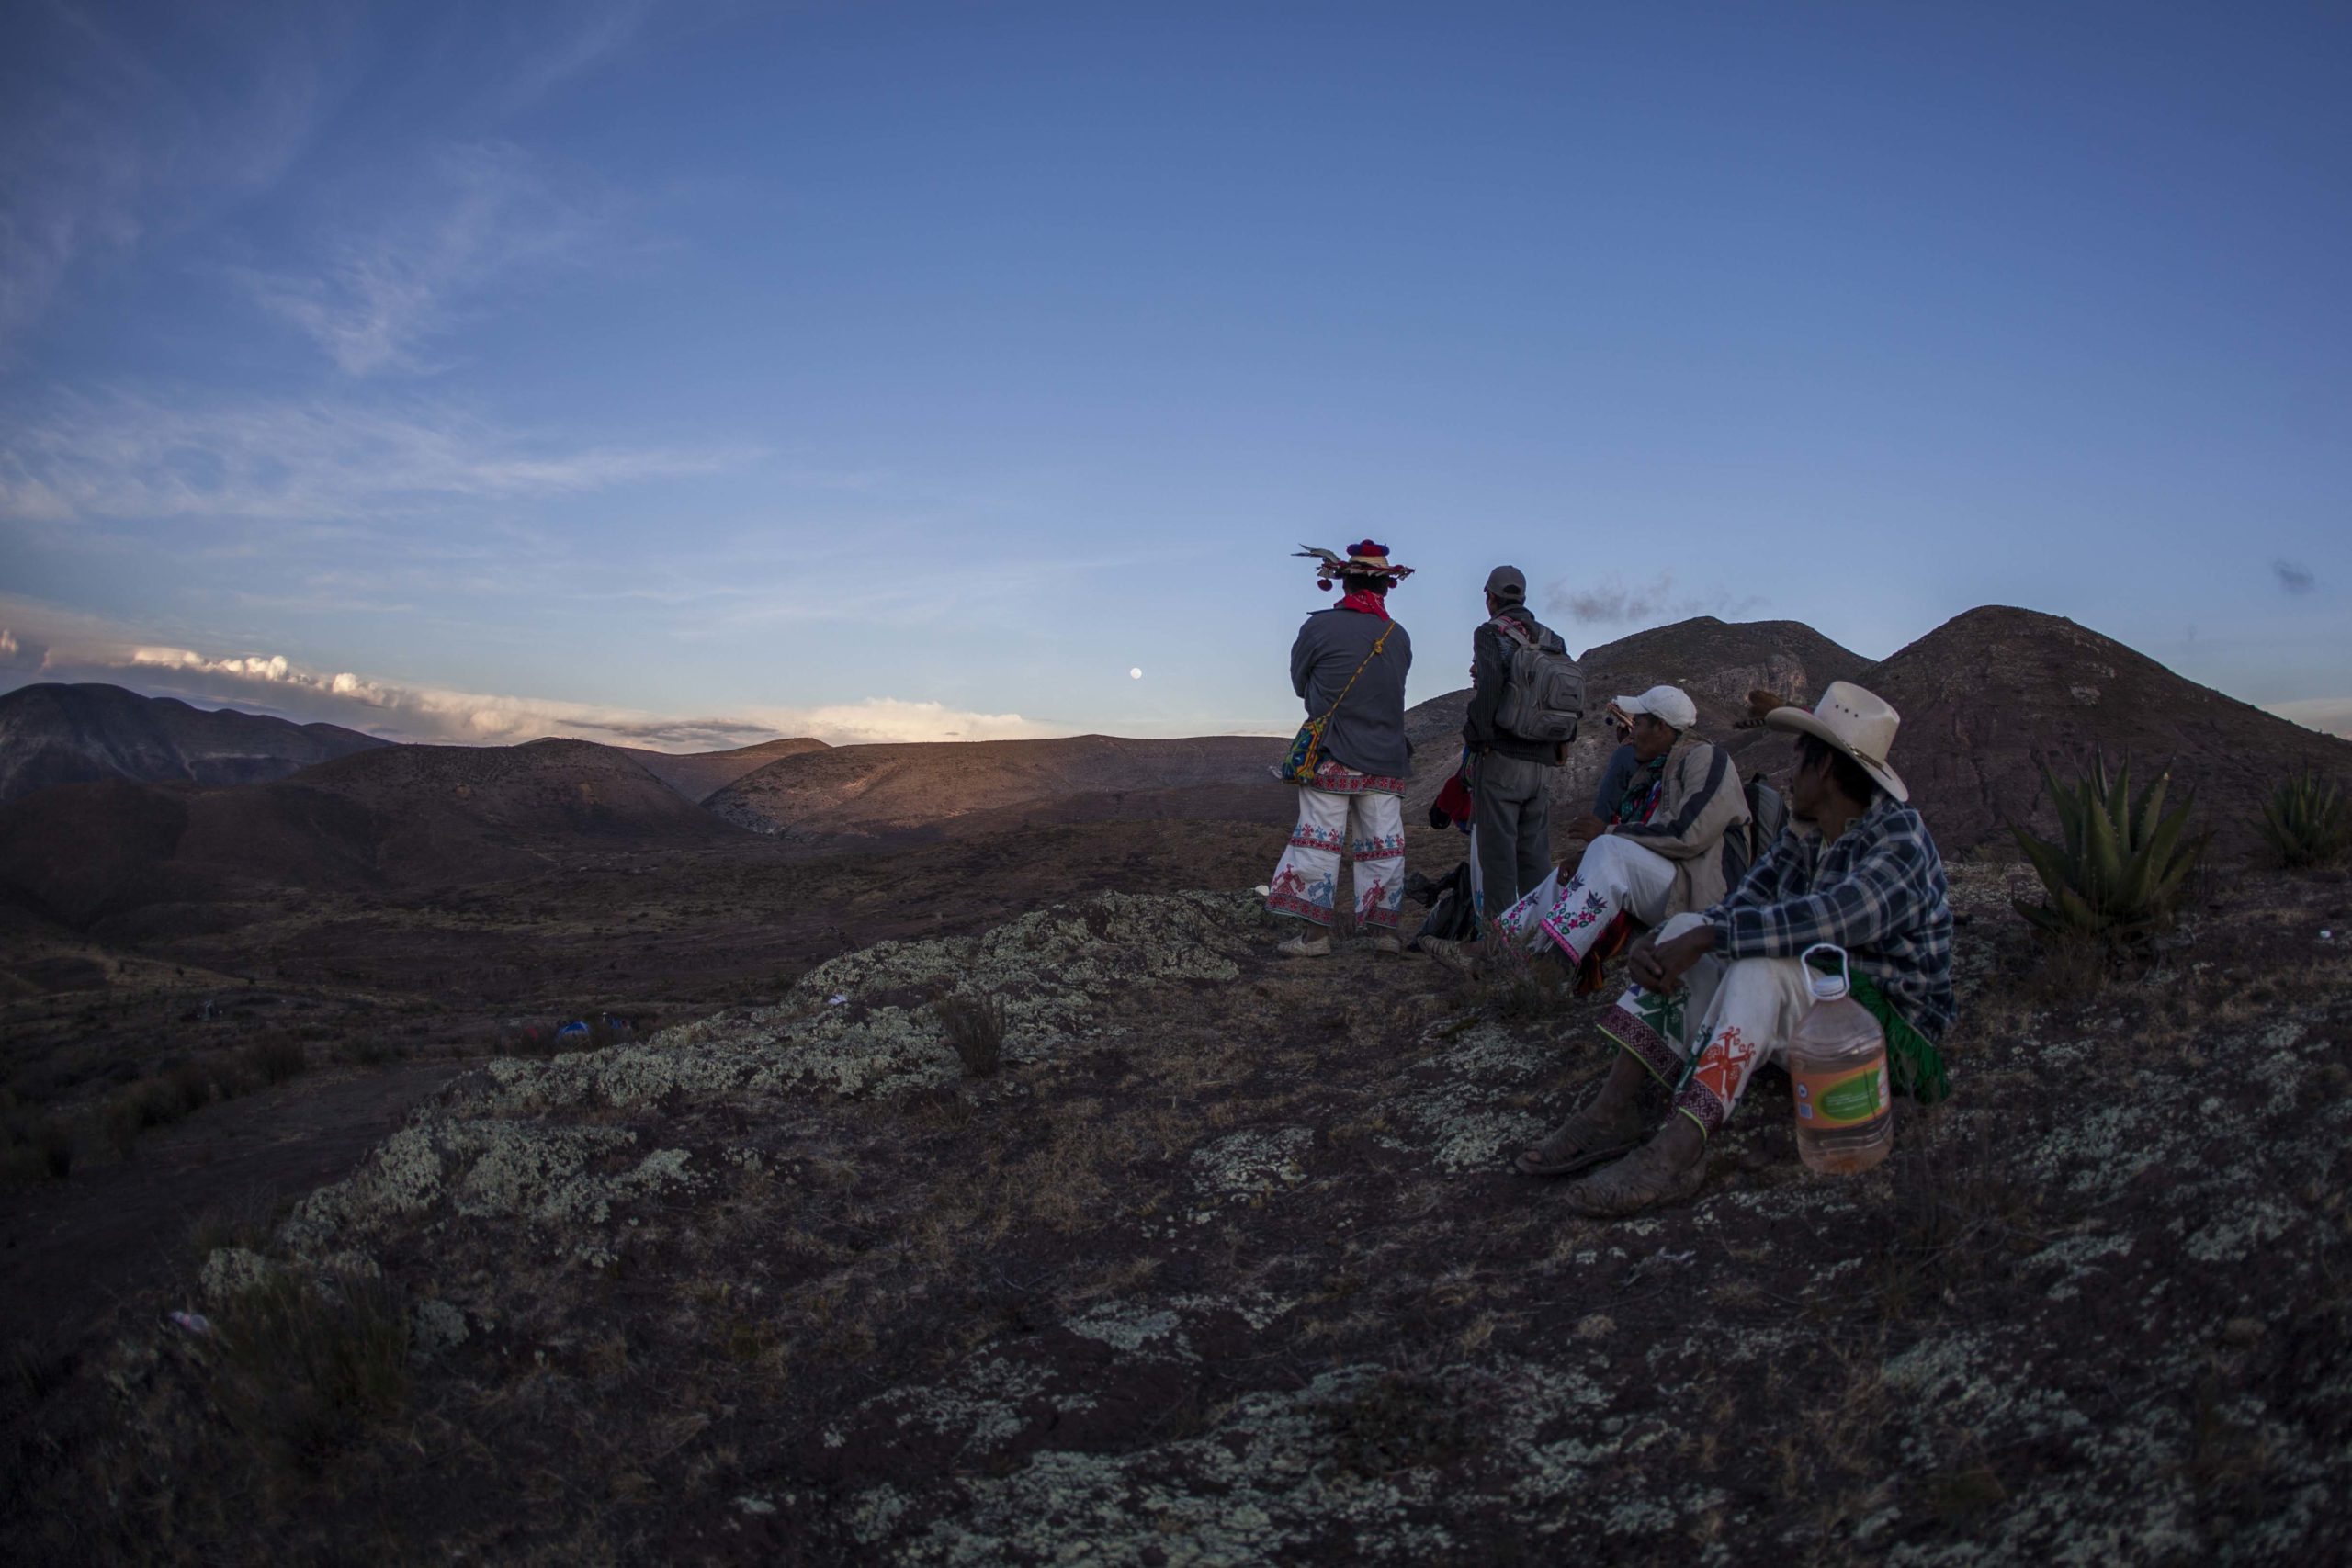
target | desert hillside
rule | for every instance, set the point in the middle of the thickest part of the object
(1987, 693)
(1982, 696)
(900, 792)
(386, 818)
(699, 775)
(56, 734)
(1227, 1266)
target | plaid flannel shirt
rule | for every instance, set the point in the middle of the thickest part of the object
(1878, 891)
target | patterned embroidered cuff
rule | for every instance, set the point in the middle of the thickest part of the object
(1703, 1106)
(1646, 1045)
(1292, 904)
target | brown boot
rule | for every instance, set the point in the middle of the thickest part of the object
(1644, 1179)
(1583, 1141)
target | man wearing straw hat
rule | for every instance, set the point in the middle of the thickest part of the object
(1716, 993)
(1349, 760)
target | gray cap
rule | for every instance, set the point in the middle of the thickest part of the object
(1507, 583)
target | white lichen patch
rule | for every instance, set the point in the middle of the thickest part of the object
(2107, 1148)
(1256, 1308)
(1461, 1128)
(1253, 1490)
(1131, 1328)
(435, 1326)
(231, 1271)
(1489, 1053)
(1253, 1162)
(2245, 1231)
(979, 1405)
(2074, 1258)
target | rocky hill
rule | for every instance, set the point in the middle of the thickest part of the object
(850, 796)
(1987, 693)
(1717, 662)
(392, 817)
(1228, 1266)
(699, 775)
(55, 734)
(1982, 697)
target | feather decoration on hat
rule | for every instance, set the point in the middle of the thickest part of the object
(1366, 560)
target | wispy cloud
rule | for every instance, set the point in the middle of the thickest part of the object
(132, 455)
(2293, 576)
(1612, 602)
(481, 215)
(602, 31)
(41, 642)
(100, 145)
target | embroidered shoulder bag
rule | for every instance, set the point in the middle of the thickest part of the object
(1306, 748)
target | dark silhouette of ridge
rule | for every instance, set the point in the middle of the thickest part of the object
(59, 733)
(1988, 692)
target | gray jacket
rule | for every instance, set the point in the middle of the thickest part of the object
(1701, 803)
(1367, 733)
(1489, 673)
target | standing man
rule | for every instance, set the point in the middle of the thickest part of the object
(1349, 664)
(1512, 820)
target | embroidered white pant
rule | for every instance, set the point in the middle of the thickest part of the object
(1617, 876)
(1738, 1013)
(1371, 828)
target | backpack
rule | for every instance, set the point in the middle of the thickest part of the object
(1543, 693)
(1768, 814)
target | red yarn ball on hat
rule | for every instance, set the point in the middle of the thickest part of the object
(1366, 548)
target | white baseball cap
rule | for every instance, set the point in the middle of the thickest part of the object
(1668, 705)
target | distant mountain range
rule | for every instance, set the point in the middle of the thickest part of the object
(59, 734)
(1983, 698)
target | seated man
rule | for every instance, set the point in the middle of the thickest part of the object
(1660, 854)
(1855, 868)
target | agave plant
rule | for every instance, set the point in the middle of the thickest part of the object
(2116, 868)
(2306, 821)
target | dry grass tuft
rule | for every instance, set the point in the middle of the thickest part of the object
(1963, 1209)
(298, 1367)
(975, 1028)
(1517, 985)
(276, 1058)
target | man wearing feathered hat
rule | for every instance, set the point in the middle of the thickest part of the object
(1717, 992)
(1349, 760)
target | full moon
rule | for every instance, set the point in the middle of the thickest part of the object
(1135, 674)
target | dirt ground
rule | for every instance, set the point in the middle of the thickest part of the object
(383, 999)
(1225, 1265)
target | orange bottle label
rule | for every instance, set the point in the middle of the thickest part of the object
(1846, 1097)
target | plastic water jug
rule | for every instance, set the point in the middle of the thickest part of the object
(1837, 1061)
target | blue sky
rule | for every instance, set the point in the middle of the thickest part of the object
(693, 373)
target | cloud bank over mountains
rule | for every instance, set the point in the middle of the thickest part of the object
(40, 643)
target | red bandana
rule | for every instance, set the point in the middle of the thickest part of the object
(1370, 604)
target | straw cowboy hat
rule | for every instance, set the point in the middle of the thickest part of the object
(1362, 559)
(1857, 723)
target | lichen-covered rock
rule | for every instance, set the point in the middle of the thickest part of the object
(434, 1327)
(230, 1271)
